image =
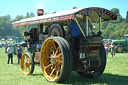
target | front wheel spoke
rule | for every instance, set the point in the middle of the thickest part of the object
(26, 69)
(26, 57)
(52, 72)
(25, 63)
(29, 63)
(29, 60)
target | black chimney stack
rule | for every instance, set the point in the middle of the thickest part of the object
(40, 12)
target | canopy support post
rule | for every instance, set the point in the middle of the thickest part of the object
(80, 27)
(99, 23)
(87, 29)
(25, 28)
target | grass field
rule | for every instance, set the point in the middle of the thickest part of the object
(116, 73)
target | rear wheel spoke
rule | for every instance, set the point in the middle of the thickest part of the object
(60, 61)
(51, 50)
(57, 72)
(59, 55)
(53, 43)
(48, 66)
(57, 50)
(52, 72)
(58, 68)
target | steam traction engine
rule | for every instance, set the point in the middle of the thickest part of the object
(59, 57)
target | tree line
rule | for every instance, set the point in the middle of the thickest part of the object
(110, 29)
(6, 29)
(115, 29)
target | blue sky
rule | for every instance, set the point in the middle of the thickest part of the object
(21, 7)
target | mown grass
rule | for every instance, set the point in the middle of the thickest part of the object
(116, 73)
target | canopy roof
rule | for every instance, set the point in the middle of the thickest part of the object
(68, 14)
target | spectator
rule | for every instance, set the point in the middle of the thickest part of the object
(19, 53)
(38, 47)
(26, 49)
(106, 49)
(10, 54)
(6, 46)
(112, 46)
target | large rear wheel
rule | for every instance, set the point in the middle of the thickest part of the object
(98, 72)
(69, 53)
(55, 60)
(27, 63)
(56, 30)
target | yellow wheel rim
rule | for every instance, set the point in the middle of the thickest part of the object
(119, 49)
(26, 65)
(51, 60)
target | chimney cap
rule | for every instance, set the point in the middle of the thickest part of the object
(40, 12)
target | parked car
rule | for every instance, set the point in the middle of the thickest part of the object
(2, 39)
(10, 39)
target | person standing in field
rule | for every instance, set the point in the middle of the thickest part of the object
(38, 47)
(10, 54)
(106, 49)
(19, 53)
(26, 49)
(112, 46)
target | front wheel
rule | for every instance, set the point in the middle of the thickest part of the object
(27, 63)
(97, 73)
(55, 60)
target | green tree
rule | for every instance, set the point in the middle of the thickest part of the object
(127, 17)
(27, 15)
(32, 14)
(115, 10)
(15, 31)
(5, 26)
(17, 18)
(119, 18)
